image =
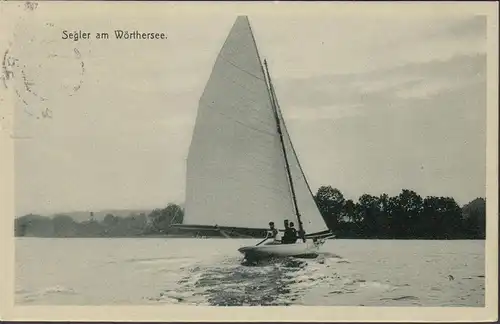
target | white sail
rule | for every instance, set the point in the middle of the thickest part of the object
(312, 221)
(236, 174)
(236, 169)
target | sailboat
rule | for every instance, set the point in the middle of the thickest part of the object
(242, 169)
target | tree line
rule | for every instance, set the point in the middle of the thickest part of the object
(405, 216)
(157, 222)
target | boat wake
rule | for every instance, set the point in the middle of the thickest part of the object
(211, 272)
(274, 282)
(29, 296)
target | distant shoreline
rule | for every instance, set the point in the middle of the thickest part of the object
(404, 217)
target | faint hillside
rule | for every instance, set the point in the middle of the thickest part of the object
(81, 216)
(106, 223)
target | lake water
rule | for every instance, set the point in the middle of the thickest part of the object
(160, 271)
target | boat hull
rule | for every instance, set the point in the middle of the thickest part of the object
(299, 250)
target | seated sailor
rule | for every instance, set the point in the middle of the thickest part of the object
(285, 224)
(290, 234)
(284, 236)
(273, 232)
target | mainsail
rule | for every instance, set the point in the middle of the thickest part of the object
(236, 166)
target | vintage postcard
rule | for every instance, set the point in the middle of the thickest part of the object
(267, 161)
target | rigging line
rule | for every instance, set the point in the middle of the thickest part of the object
(277, 112)
(235, 106)
(222, 47)
(265, 167)
(259, 162)
(238, 84)
(241, 85)
(287, 165)
(282, 193)
(241, 123)
(239, 68)
(266, 80)
(250, 98)
(297, 159)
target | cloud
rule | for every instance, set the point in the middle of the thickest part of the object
(470, 27)
(330, 112)
(388, 86)
(419, 125)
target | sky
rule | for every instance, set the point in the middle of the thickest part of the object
(373, 103)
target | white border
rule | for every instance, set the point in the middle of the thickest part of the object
(8, 311)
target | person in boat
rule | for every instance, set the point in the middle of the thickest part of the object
(285, 233)
(292, 236)
(273, 232)
(288, 235)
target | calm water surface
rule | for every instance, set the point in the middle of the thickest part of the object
(210, 272)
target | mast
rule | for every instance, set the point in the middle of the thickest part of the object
(287, 166)
(294, 152)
